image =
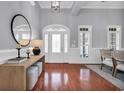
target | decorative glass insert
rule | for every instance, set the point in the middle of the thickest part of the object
(84, 42)
(114, 38)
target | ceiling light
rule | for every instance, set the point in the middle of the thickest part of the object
(32, 3)
(55, 6)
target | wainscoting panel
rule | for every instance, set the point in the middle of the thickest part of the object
(6, 54)
(74, 56)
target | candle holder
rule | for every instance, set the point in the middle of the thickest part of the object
(18, 52)
(28, 52)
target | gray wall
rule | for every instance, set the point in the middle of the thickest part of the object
(98, 18)
(33, 15)
(7, 10)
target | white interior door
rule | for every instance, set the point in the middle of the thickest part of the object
(56, 46)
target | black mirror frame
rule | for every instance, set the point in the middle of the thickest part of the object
(13, 32)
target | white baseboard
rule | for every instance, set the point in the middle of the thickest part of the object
(77, 61)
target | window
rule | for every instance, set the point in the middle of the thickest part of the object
(56, 43)
(84, 38)
(46, 43)
(114, 37)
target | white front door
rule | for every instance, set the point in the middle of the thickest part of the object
(56, 46)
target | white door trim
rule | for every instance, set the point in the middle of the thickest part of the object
(47, 30)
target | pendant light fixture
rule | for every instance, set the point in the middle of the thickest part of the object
(55, 6)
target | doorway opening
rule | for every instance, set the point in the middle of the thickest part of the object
(56, 43)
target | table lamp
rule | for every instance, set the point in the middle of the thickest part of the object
(36, 44)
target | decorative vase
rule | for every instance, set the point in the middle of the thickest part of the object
(36, 50)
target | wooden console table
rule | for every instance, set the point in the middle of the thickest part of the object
(13, 75)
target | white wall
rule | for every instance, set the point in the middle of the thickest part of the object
(6, 54)
(74, 56)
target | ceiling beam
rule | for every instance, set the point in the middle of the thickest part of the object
(76, 7)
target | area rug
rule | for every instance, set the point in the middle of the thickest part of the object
(106, 74)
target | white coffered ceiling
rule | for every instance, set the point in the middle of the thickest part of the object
(76, 6)
(63, 4)
(84, 4)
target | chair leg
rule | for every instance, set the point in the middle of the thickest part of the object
(113, 69)
(102, 61)
(114, 72)
(101, 66)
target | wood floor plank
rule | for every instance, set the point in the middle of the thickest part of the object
(71, 77)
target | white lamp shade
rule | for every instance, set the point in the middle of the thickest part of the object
(24, 41)
(36, 43)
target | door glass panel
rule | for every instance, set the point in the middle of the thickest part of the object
(65, 43)
(56, 43)
(114, 38)
(84, 44)
(46, 43)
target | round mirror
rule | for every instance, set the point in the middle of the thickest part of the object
(21, 30)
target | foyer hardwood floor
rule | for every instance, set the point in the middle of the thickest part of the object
(71, 77)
